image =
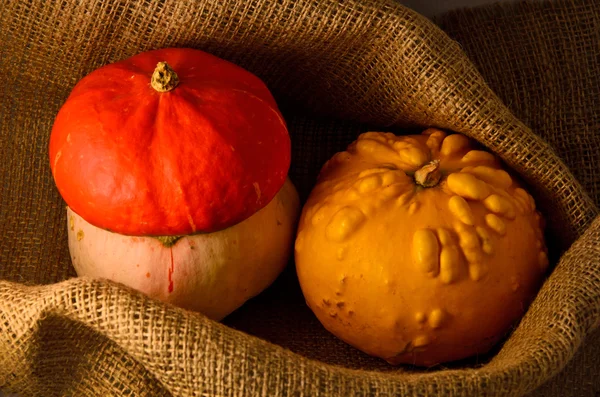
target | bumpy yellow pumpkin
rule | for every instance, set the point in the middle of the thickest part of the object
(419, 249)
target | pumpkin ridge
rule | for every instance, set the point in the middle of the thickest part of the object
(245, 163)
(167, 168)
(86, 172)
(190, 182)
(143, 150)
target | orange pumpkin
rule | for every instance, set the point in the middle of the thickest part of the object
(169, 142)
(173, 164)
(419, 249)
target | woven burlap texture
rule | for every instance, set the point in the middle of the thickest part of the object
(337, 68)
(542, 59)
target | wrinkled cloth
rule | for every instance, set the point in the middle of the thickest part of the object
(522, 79)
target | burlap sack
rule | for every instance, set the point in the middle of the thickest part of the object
(337, 68)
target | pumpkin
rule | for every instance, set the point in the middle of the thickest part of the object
(419, 249)
(173, 164)
(169, 142)
(211, 273)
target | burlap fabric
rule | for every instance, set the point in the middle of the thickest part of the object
(337, 68)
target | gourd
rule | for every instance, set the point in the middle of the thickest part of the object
(211, 273)
(419, 249)
(173, 164)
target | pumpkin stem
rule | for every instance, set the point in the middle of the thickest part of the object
(164, 78)
(428, 175)
(168, 241)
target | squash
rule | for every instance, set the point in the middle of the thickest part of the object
(211, 273)
(169, 142)
(419, 249)
(173, 164)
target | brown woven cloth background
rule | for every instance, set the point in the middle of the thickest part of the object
(543, 60)
(337, 68)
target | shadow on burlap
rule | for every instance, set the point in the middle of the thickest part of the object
(337, 68)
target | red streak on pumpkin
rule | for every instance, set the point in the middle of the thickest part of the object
(171, 269)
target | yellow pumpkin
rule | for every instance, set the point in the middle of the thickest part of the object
(419, 249)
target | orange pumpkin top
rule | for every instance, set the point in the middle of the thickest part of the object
(169, 142)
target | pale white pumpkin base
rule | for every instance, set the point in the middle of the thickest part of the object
(213, 273)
